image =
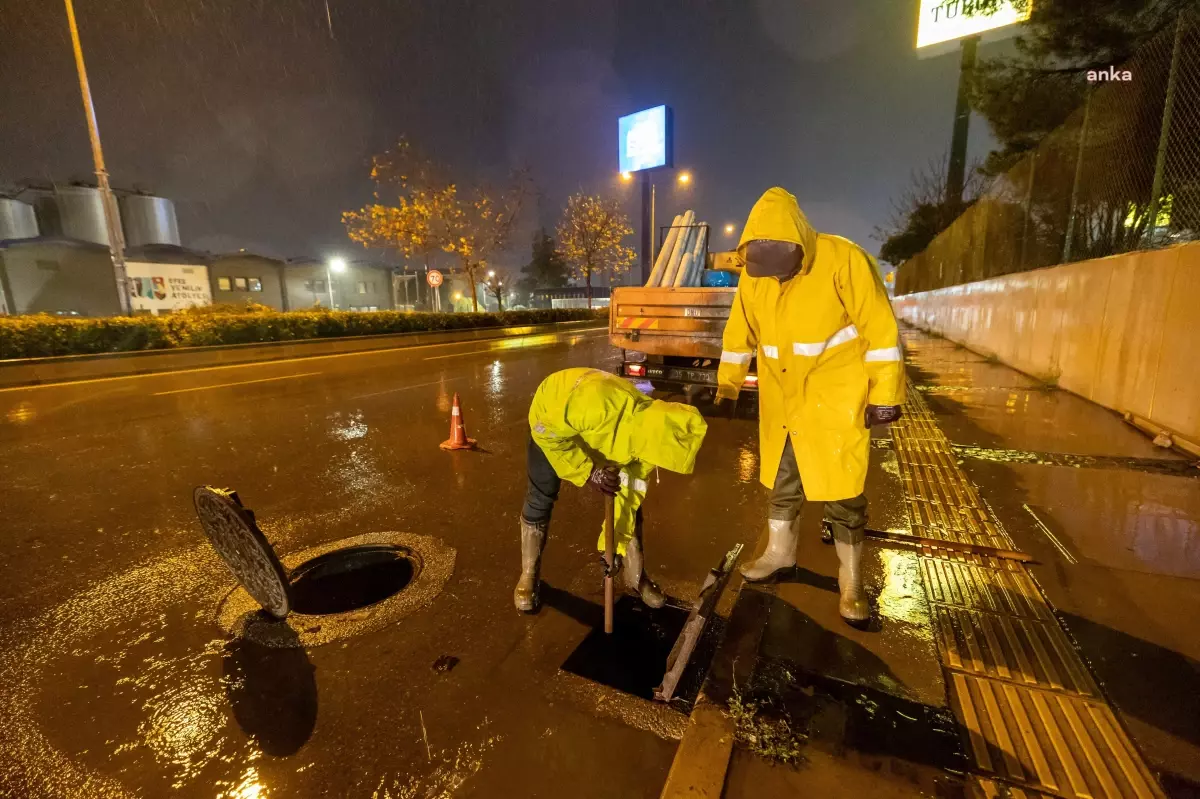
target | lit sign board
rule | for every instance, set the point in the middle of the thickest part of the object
(645, 140)
(947, 20)
(167, 287)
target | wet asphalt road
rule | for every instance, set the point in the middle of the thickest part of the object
(116, 679)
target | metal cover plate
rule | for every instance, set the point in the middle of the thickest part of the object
(232, 531)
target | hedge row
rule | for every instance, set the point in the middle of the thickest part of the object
(42, 335)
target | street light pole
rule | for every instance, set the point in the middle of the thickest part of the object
(647, 227)
(116, 240)
(333, 265)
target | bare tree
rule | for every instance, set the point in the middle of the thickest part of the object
(921, 211)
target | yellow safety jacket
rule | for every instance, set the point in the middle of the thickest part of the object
(827, 346)
(583, 418)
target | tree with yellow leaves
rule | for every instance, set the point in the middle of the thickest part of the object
(483, 223)
(419, 212)
(590, 237)
(413, 209)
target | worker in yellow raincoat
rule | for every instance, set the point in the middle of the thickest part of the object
(593, 428)
(813, 311)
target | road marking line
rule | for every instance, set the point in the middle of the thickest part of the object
(406, 388)
(459, 354)
(238, 383)
(590, 332)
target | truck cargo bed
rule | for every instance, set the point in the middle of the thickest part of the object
(685, 322)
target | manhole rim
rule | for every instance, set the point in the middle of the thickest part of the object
(308, 568)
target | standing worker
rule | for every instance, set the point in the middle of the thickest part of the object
(593, 428)
(814, 309)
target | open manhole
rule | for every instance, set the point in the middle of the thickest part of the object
(633, 659)
(351, 578)
(336, 590)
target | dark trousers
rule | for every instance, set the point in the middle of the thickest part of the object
(542, 484)
(847, 516)
(542, 490)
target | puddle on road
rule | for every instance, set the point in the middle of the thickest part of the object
(120, 692)
(452, 771)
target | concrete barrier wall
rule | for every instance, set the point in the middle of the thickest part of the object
(34, 371)
(1122, 331)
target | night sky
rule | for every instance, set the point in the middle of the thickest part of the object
(258, 117)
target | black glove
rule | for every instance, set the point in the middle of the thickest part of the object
(605, 481)
(882, 414)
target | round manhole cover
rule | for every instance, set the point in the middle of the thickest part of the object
(233, 533)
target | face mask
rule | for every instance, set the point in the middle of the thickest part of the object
(769, 258)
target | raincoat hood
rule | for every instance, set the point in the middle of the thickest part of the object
(667, 435)
(777, 216)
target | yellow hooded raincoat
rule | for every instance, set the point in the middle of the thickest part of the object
(585, 417)
(827, 346)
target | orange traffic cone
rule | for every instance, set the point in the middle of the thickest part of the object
(458, 431)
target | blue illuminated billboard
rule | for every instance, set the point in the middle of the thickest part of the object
(645, 140)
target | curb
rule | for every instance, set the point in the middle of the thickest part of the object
(702, 758)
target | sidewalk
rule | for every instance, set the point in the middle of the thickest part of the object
(966, 669)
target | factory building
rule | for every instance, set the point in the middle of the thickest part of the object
(54, 258)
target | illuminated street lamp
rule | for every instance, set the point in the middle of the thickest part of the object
(729, 229)
(685, 178)
(334, 265)
(626, 176)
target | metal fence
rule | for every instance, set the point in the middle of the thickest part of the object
(1121, 174)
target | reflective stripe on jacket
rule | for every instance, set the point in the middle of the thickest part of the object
(827, 346)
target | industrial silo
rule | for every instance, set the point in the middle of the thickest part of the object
(76, 212)
(17, 220)
(149, 220)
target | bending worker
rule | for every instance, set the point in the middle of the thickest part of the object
(593, 428)
(813, 308)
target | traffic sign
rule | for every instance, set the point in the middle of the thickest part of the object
(434, 278)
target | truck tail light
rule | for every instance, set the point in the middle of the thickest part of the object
(751, 381)
(635, 370)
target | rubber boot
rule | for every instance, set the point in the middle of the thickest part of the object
(635, 576)
(533, 541)
(853, 603)
(780, 554)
